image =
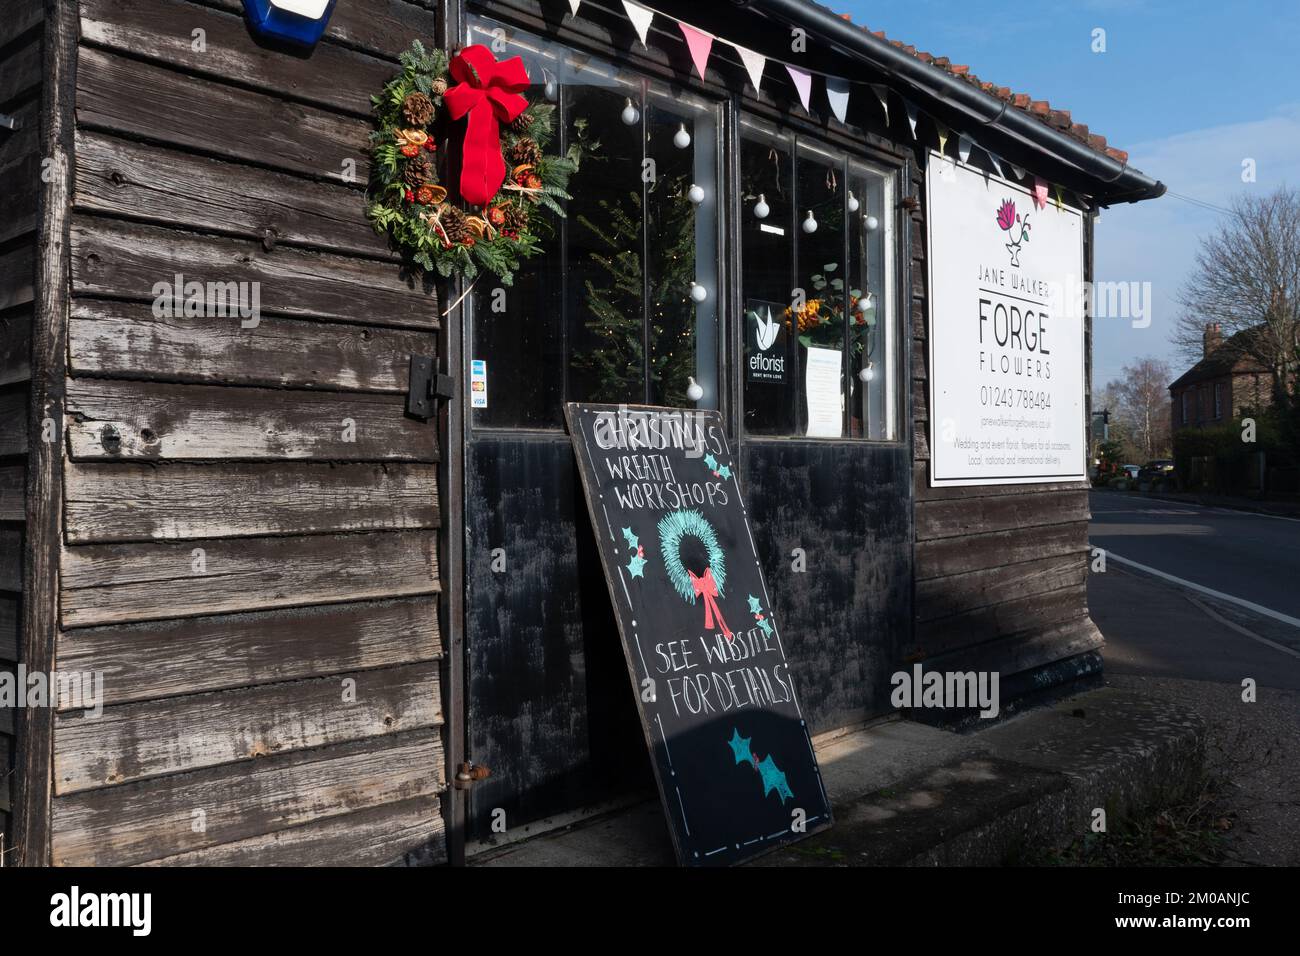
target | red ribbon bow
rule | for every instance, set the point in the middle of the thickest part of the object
(707, 588)
(488, 92)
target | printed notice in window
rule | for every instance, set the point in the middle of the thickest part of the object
(822, 385)
(1006, 331)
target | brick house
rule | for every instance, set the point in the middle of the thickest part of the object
(1225, 381)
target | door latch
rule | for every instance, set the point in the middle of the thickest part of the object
(425, 385)
(470, 774)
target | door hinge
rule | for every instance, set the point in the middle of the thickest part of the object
(425, 385)
(470, 774)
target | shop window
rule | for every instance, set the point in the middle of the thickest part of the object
(622, 306)
(820, 350)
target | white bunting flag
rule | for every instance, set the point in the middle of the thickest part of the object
(837, 94)
(640, 18)
(1019, 173)
(911, 117)
(963, 148)
(882, 94)
(996, 160)
(754, 64)
(573, 5)
(802, 80)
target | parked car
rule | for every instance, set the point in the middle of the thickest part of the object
(1160, 468)
(1130, 470)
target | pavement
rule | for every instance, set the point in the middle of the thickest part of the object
(1193, 641)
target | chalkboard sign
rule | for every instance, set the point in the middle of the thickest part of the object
(731, 752)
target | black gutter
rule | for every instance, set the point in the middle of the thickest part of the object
(1115, 181)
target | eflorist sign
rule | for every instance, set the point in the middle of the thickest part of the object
(1006, 331)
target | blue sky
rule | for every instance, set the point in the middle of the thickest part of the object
(1189, 87)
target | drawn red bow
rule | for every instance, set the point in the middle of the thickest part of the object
(707, 588)
(488, 92)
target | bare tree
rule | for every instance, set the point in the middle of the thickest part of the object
(1142, 396)
(1247, 278)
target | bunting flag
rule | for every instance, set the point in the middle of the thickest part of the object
(699, 43)
(573, 5)
(911, 116)
(996, 160)
(1058, 197)
(754, 63)
(882, 94)
(803, 83)
(943, 136)
(1040, 193)
(963, 148)
(837, 94)
(1020, 173)
(640, 18)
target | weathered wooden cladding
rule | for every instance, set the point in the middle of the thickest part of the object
(20, 78)
(127, 260)
(381, 27)
(138, 822)
(118, 583)
(13, 422)
(11, 558)
(161, 30)
(156, 738)
(154, 103)
(196, 655)
(16, 346)
(129, 502)
(17, 275)
(394, 834)
(119, 420)
(114, 339)
(946, 518)
(13, 505)
(8, 629)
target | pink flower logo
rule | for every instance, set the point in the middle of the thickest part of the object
(1008, 219)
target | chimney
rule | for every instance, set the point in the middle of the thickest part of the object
(1212, 338)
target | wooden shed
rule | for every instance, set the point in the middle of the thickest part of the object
(286, 592)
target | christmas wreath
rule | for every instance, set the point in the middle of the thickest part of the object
(507, 181)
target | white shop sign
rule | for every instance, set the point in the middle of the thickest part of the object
(1006, 331)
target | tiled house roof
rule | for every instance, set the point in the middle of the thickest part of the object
(1229, 358)
(1041, 109)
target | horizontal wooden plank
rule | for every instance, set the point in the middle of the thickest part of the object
(383, 27)
(8, 629)
(957, 555)
(19, 144)
(958, 594)
(133, 261)
(19, 198)
(20, 72)
(7, 713)
(954, 517)
(1022, 652)
(6, 779)
(17, 275)
(138, 741)
(1022, 616)
(135, 823)
(13, 423)
(399, 834)
(162, 30)
(128, 502)
(11, 559)
(118, 420)
(122, 178)
(141, 99)
(921, 482)
(125, 340)
(196, 655)
(20, 17)
(13, 506)
(15, 347)
(117, 583)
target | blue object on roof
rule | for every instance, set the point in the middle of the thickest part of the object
(300, 22)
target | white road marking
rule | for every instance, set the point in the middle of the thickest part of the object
(1240, 602)
(1210, 612)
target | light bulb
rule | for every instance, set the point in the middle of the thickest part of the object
(681, 139)
(810, 224)
(695, 194)
(865, 302)
(872, 223)
(853, 202)
(761, 208)
(694, 391)
(630, 114)
(550, 89)
(868, 373)
(698, 292)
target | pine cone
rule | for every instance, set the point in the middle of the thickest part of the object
(521, 123)
(418, 171)
(453, 224)
(516, 218)
(418, 109)
(525, 152)
(439, 86)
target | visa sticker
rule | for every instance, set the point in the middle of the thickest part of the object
(478, 383)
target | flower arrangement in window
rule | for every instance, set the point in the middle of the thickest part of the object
(819, 321)
(507, 179)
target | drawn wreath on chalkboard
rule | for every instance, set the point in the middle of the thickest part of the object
(708, 585)
(506, 178)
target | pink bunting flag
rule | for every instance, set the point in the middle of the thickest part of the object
(802, 82)
(699, 43)
(1040, 193)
